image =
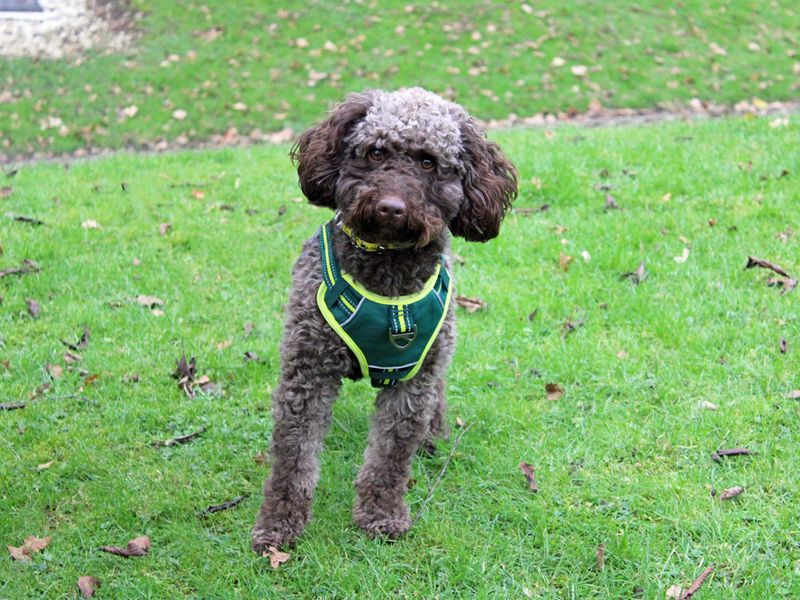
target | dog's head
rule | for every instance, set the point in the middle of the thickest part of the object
(403, 166)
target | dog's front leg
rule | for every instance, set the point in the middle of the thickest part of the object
(302, 413)
(401, 422)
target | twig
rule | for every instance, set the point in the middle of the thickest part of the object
(181, 439)
(12, 405)
(717, 456)
(441, 473)
(696, 584)
(765, 264)
(224, 506)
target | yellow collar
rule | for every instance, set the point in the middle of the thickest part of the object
(371, 246)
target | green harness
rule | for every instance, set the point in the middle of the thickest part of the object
(390, 336)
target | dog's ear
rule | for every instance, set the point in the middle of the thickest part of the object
(318, 152)
(490, 186)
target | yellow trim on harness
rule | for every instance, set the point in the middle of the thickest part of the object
(396, 300)
(362, 360)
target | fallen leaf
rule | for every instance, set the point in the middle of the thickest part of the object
(149, 301)
(600, 557)
(794, 395)
(696, 584)
(586, 256)
(261, 458)
(30, 546)
(579, 70)
(637, 276)
(5, 191)
(783, 345)
(554, 391)
(136, 547)
(471, 305)
(705, 404)
(88, 585)
(33, 307)
(276, 557)
(44, 466)
(731, 493)
(179, 114)
(224, 344)
(164, 228)
(786, 283)
(90, 224)
(674, 592)
(528, 471)
(251, 356)
(611, 203)
(765, 264)
(198, 194)
(683, 257)
(81, 344)
(564, 261)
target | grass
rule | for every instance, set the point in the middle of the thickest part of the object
(622, 458)
(264, 66)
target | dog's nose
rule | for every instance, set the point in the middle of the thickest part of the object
(391, 208)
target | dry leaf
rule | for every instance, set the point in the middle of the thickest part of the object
(164, 228)
(471, 305)
(55, 371)
(88, 585)
(198, 194)
(637, 276)
(33, 307)
(44, 466)
(600, 557)
(224, 344)
(149, 301)
(683, 257)
(579, 70)
(611, 203)
(731, 493)
(262, 458)
(136, 547)
(90, 224)
(276, 557)
(564, 261)
(765, 264)
(179, 114)
(696, 584)
(30, 546)
(528, 471)
(706, 405)
(675, 592)
(794, 395)
(554, 391)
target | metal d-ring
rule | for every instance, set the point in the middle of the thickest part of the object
(403, 339)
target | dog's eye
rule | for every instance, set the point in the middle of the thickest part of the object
(427, 162)
(375, 154)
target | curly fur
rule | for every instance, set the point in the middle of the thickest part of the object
(429, 157)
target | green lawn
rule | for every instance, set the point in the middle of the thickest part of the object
(265, 65)
(622, 458)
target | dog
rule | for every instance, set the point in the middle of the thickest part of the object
(370, 294)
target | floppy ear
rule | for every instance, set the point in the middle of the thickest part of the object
(318, 152)
(490, 186)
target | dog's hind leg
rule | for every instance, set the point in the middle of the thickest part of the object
(402, 420)
(302, 413)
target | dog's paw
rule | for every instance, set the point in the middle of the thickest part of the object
(386, 522)
(263, 538)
